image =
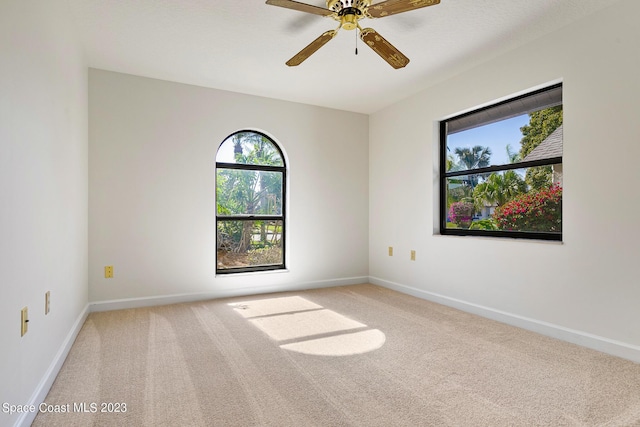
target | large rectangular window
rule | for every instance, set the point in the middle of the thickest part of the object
(502, 169)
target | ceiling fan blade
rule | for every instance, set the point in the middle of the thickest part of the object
(382, 47)
(311, 48)
(392, 7)
(302, 7)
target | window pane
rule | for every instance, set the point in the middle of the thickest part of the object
(249, 148)
(526, 200)
(507, 141)
(249, 192)
(249, 244)
(493, 144)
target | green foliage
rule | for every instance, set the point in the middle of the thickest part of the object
(252, 148)
(484, 224)
(250, 191)
(229, 232)
(458, 191)
(541, 124)
(498, 189)
(472, 158)
(513, 156)
(538, 210)
(451, 163)
(539, 177)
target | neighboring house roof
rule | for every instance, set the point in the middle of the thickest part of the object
(550, 147)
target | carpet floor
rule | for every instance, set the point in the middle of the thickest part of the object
(357, 355)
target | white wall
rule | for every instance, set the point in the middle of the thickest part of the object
(43, 192)
(151, 188)
(589, 284)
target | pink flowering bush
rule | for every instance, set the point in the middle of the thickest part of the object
(539, 210)
(461, 213)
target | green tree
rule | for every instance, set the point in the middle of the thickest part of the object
(541, 124)
(498, 189)
(473, 158)
(458, 191)
(539, 177)
(513, 156)
(451, 164)
(457, 188)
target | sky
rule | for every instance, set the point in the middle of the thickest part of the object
(496, 136)
(225, 152)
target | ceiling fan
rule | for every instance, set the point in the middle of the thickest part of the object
(348, 13)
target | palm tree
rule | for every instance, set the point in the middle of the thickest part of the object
(498, 189)
(473, 158)
(513, 156)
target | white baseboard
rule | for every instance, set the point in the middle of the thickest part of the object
(255, 290)
(40, 393)
(605, 345)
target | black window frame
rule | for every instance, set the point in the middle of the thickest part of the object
(246, 217)
(444, 175)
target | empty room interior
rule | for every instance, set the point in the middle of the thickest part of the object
(200, 226)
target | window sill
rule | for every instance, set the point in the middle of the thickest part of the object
(251, 273)
(500, 239)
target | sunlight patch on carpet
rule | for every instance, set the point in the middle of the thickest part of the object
(306, 327)
(267, 307)
(308, 323)
(340, 345)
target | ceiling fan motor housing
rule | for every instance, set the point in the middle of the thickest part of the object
(348, 11)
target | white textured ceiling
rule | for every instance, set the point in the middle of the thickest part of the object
(242, 45)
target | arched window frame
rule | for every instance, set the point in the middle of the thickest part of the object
(246, 217)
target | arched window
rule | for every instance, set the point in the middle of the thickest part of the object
(250, 204)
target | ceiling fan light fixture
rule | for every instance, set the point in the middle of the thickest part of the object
(349, 21)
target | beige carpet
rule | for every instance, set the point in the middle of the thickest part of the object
(348, 356)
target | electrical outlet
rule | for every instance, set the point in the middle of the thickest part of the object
(108, 271)
(47, 302)
(413, 255)
(24, 321)
(390, 250)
